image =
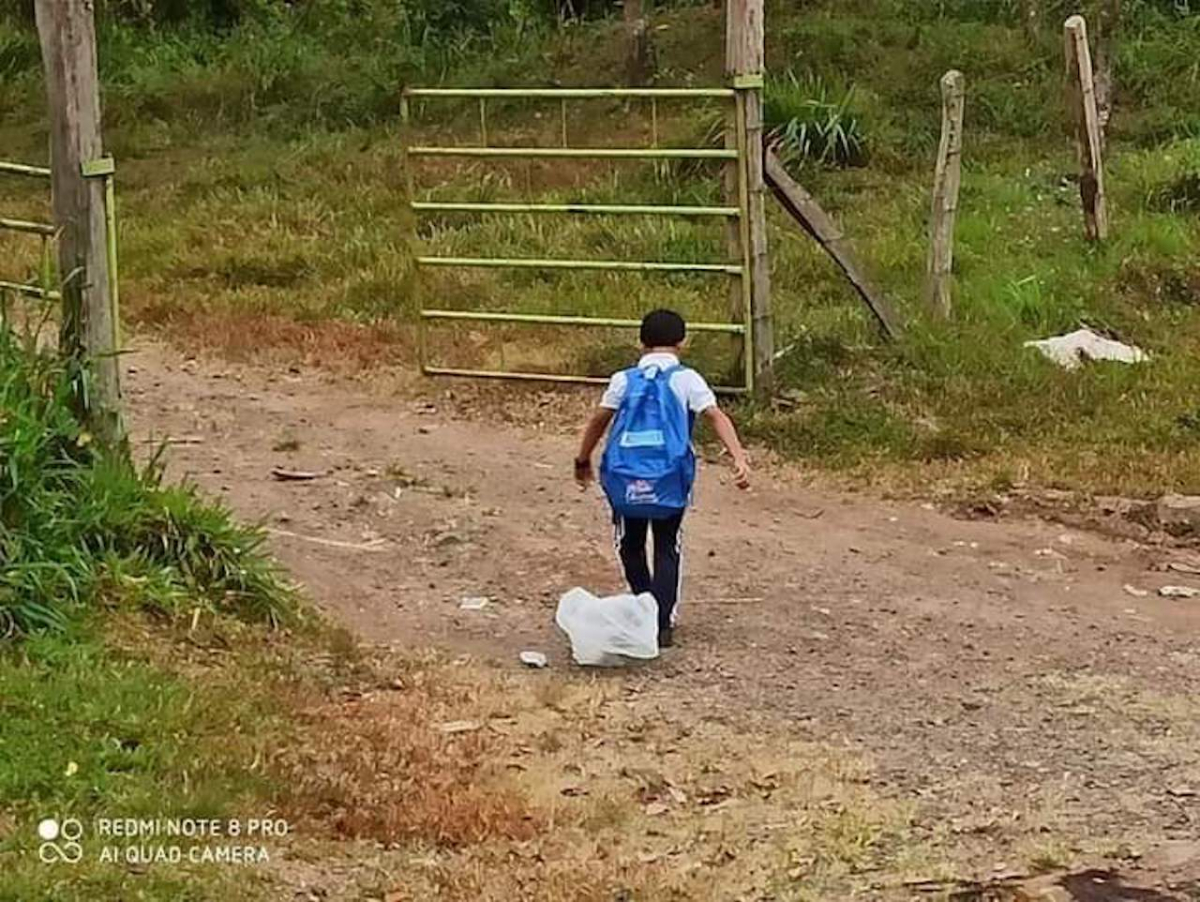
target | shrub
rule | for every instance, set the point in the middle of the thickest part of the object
(80, 525)
(807, 120)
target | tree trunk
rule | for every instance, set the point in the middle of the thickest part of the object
(639, 62)
(1108, 28)
(1030, 19)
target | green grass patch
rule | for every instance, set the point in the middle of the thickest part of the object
(93, 731)
(130, 613)
(81, 526)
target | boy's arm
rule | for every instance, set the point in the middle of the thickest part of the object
(592, 433)
(727, 433)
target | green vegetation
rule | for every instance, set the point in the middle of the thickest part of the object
(94, 725)
(805, 122)
(92, 729)
(263, 193)
(80, 525)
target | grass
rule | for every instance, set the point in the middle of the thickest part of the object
(93, 726)
(81, 526)
(94, 731)
(282, 225)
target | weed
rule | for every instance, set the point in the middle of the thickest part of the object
(76, 520)
(1179, 196)
(807, 121)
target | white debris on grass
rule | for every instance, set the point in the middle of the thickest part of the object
(1074, 348)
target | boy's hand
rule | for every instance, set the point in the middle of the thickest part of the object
(741, 472)
(584, 475)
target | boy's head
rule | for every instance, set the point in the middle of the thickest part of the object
(663, 329)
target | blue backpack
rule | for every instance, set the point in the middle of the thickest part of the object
(649, 465)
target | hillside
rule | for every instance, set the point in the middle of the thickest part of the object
(263, 194)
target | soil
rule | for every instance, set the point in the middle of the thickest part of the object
(1017, 687)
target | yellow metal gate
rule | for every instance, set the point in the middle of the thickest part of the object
(736, 154)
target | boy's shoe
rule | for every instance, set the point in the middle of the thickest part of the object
(666, 638)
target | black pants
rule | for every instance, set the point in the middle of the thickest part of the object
(664, 583)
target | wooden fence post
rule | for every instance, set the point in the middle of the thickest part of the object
(1081, 92)
(947, 179)
(639, 60)
(1108, 29)
(744, 59)
(67, 32)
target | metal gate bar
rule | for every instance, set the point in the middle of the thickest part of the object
(599, 153)
(556, 320)
(103, 168)
(44, 230)
(570, 93)
(599, 209)
(615, 265)
(39, 172)
(736, 153)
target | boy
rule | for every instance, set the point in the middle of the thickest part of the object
(663, 334)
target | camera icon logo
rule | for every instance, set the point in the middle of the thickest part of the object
(60, 840)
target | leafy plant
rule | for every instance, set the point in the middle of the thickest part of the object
(806, 120)
(76, 521)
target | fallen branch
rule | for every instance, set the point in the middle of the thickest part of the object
(804, 208)
(181, 440)
(295, 475)
(373, 545)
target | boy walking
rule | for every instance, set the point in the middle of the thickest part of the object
(649, 464)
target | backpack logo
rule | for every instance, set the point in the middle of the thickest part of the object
(641, 491)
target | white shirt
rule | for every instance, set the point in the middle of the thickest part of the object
(689, 386)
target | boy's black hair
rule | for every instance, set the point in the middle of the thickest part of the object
(663, 329)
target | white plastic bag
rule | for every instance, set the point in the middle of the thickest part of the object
(606, 632)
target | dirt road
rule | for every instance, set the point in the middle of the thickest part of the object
(1000, 679)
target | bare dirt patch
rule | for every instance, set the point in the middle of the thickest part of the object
(905, 696)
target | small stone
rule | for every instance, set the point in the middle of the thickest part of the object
(534, 659)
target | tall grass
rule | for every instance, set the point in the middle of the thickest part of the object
(81, 526)
(808, 121)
